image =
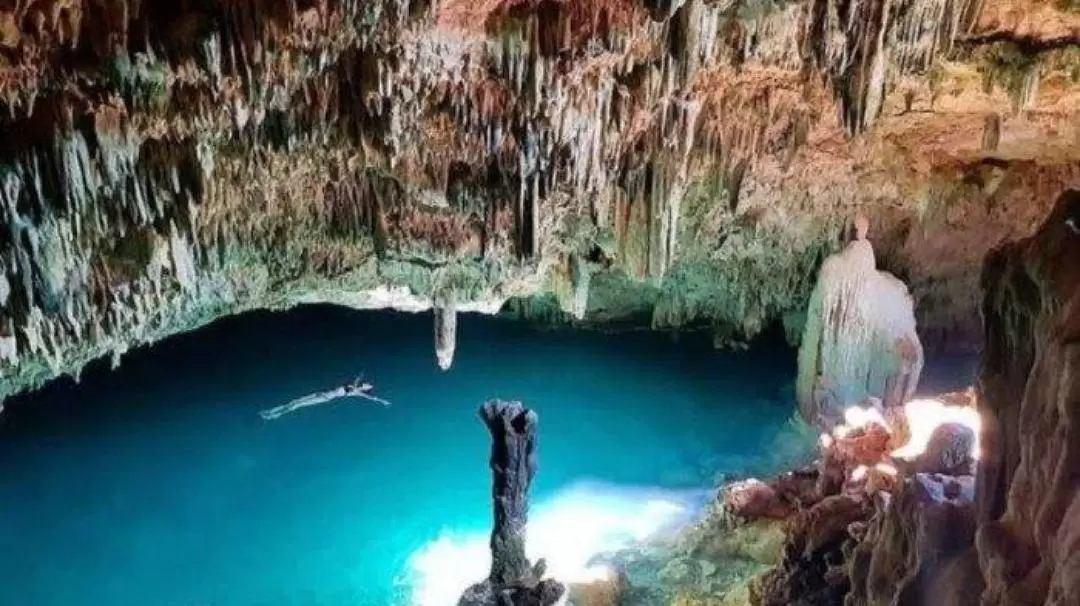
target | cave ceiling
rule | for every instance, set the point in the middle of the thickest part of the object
(163, 164)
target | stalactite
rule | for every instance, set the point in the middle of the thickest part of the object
(285, 147)
(445, 333)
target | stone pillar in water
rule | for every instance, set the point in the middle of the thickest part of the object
(445, 334)
(512, 581)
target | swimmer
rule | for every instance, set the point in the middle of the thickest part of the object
(358, 388)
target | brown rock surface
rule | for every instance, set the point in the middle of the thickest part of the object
(166, 163)
(908, 544)
(1028, 503)
(1007, 537)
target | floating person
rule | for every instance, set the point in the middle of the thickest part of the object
(358, 388)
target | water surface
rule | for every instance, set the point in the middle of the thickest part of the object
(159, 484)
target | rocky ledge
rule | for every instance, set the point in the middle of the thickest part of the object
(664, 162)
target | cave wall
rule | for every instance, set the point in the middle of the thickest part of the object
(1028, 494)
(1010, 537)
(166, 163)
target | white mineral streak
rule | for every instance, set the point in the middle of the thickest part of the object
(9, 352)
(5, 286)
(183, 261)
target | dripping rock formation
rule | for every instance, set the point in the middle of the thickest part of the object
(859, 338)
(669, 162)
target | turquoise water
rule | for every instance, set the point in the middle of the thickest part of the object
(159, 484)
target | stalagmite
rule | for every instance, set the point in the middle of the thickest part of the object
(445, 334)
(859, 339)
(512, 581)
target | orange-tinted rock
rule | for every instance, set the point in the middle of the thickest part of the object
(754, 499)
(1029, 395)
(325, 149)
(1011, 535)
(911, 542)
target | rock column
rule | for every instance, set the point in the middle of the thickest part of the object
(445, 334)
(859, 340)
(513, 581)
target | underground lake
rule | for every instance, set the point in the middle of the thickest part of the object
(159, 483)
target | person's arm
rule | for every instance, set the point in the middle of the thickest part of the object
(375, 399)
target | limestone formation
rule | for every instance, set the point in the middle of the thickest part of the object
(445, 334)
(667, 163)
(891, 533)
(1029, 387)
(908, 545)
(513, 580)
(862, 528)
(859, 338)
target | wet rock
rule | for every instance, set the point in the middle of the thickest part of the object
(1028, 507)
(513, 581)
(606, 592)
(753, 499)
(801, 486)
(949, 451)
(825, 525)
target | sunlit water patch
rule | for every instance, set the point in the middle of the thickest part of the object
(160, 484)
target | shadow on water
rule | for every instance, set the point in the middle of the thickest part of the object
(159, 483)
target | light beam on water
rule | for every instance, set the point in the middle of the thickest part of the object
(568, 530)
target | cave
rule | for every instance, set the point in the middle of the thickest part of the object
(762, 304)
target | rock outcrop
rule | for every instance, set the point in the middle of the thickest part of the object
(863, 524)
(917, 528)
(513, 580)
(1028, 500)
(859, 338)
(674, 163)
